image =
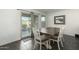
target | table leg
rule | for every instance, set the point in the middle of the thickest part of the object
(49, 45)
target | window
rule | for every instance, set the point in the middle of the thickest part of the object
(26, 26)
(43, 18)
(43, 21)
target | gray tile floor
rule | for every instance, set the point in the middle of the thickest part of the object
(70, 43)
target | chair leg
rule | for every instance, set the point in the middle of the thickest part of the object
(34, 45)
(58, 45)
(53, 41)
(47, 44)
(62, 43)
(40, 47)
(63, 39)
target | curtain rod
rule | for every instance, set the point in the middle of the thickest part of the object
(28, 11)
(32, 12)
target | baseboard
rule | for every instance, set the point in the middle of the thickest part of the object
(69, 35)
(25, 37)
(9, 43)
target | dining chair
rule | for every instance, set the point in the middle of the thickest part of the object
(39, 39)
(59, 38)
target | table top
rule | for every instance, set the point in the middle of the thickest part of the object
(50, 33)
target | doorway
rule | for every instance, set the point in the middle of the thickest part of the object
(28, 21)
(26, 25)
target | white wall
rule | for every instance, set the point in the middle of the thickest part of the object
(9, 26)
(72, 21)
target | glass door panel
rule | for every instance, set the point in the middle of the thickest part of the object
(26, 26)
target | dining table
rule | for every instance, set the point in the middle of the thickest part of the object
(49, 33)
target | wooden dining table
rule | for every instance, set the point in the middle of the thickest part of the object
(48, 34)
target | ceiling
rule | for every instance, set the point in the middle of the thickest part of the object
(47, 11)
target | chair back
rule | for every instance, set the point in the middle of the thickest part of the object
(36, 34)
(51, 30)
(61, 31)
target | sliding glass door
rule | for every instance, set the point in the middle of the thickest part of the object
(29, 21)
(26, 25)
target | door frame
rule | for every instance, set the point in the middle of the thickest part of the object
(21, 22)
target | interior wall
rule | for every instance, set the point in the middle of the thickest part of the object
(9, 26)
(72, 21)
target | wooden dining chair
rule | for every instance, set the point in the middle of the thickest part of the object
(58, 38)
(39, 39)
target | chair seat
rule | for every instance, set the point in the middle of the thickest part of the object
(54, 37)
(42, 40)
